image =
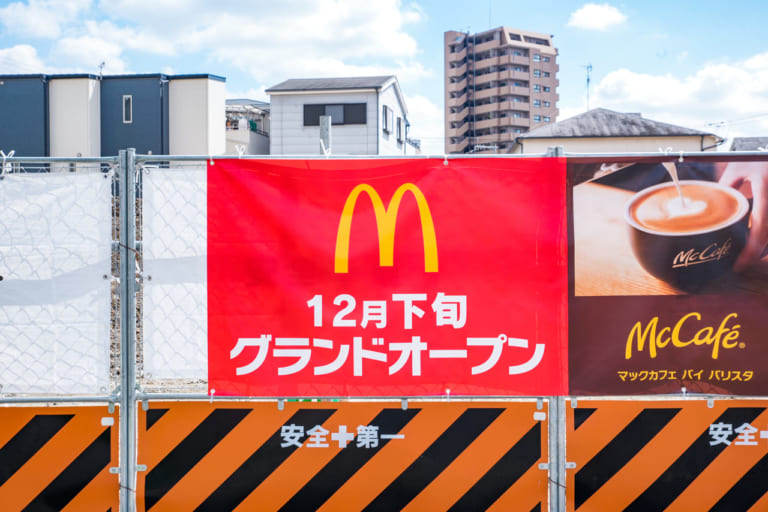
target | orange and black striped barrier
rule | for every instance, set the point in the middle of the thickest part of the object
(58, 458)
(343, 456)
(668, 455)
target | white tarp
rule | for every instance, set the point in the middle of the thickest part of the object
(175, 311)
(55, 248)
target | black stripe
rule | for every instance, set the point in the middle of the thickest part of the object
(690, 464)
(537, 508)
(260, 464)
(347, 462)
(580, 415)
(75, 477)
(620, 450)
(503, 474)
(435, 459)
(27, 441)
(745, 493)
(153, 415)
(189, 451)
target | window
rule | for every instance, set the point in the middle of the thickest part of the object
(536, 88)
(387, 119)
(341, 113)
(537, 73)
(546, 104)
(537, 58)
(546, 74)
(545, 59)
(536, 103)
(537, 119)
(546, 89)
(546, 119)
(399, 129)
(127, 109)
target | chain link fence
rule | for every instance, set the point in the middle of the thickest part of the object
(58, 310)
(174, 333)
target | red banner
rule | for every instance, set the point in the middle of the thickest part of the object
(387, 277)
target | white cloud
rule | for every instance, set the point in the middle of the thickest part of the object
(427, 124)
(41, 18)
(86, 53)
(21, 59)
(727, 99)
(596, 17)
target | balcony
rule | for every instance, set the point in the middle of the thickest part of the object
(458, 147)
(486, 123)
(484, 47)
(457, 86)
(515, 122)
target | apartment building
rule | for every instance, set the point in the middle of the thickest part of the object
(90, 116)
(498, 84)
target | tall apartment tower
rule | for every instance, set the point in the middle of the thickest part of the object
(498, 84)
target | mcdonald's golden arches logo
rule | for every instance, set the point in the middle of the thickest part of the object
(386, 220)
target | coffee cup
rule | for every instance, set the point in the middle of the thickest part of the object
(687, 242)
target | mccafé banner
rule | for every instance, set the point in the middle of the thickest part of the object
(488, 277)
(655, 305)
(387, 277)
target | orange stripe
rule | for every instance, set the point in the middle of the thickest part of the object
(216, 466)
(32, 478)
(598, 430)
(654, 459)
(304, 463)
(760, 505)
(395, 457)
(102, 493)
(12, 420)
(723, 473)
(475, 461)
(532, 488)
(171, 429)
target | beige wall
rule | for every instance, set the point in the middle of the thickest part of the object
(617, 144)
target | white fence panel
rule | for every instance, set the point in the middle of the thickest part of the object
(175, 308)
(55, 250)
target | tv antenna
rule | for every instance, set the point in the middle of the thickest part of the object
(589, 70)
(101, 68)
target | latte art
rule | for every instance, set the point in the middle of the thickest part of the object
(705, 208)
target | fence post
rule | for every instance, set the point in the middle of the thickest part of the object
(556, 454)
(128, 432)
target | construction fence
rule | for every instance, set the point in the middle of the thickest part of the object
(106, 403)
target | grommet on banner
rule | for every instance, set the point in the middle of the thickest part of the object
(145, 404)
(404, 404)
(574, 403)
(684, 392)
(445, 159)
(280, 404)
(681, 157)
(710, 403)
(539, 403)
(447, 395)
(210, 159)
(212, 392)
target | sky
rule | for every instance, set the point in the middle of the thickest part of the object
(698, 64)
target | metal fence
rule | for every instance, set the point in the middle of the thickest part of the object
(103, 293)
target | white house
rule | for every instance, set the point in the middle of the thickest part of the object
(368, 116)
(605, 131)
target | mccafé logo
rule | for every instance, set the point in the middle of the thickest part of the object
(713, 252)
(386, 219)
(724, 336)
